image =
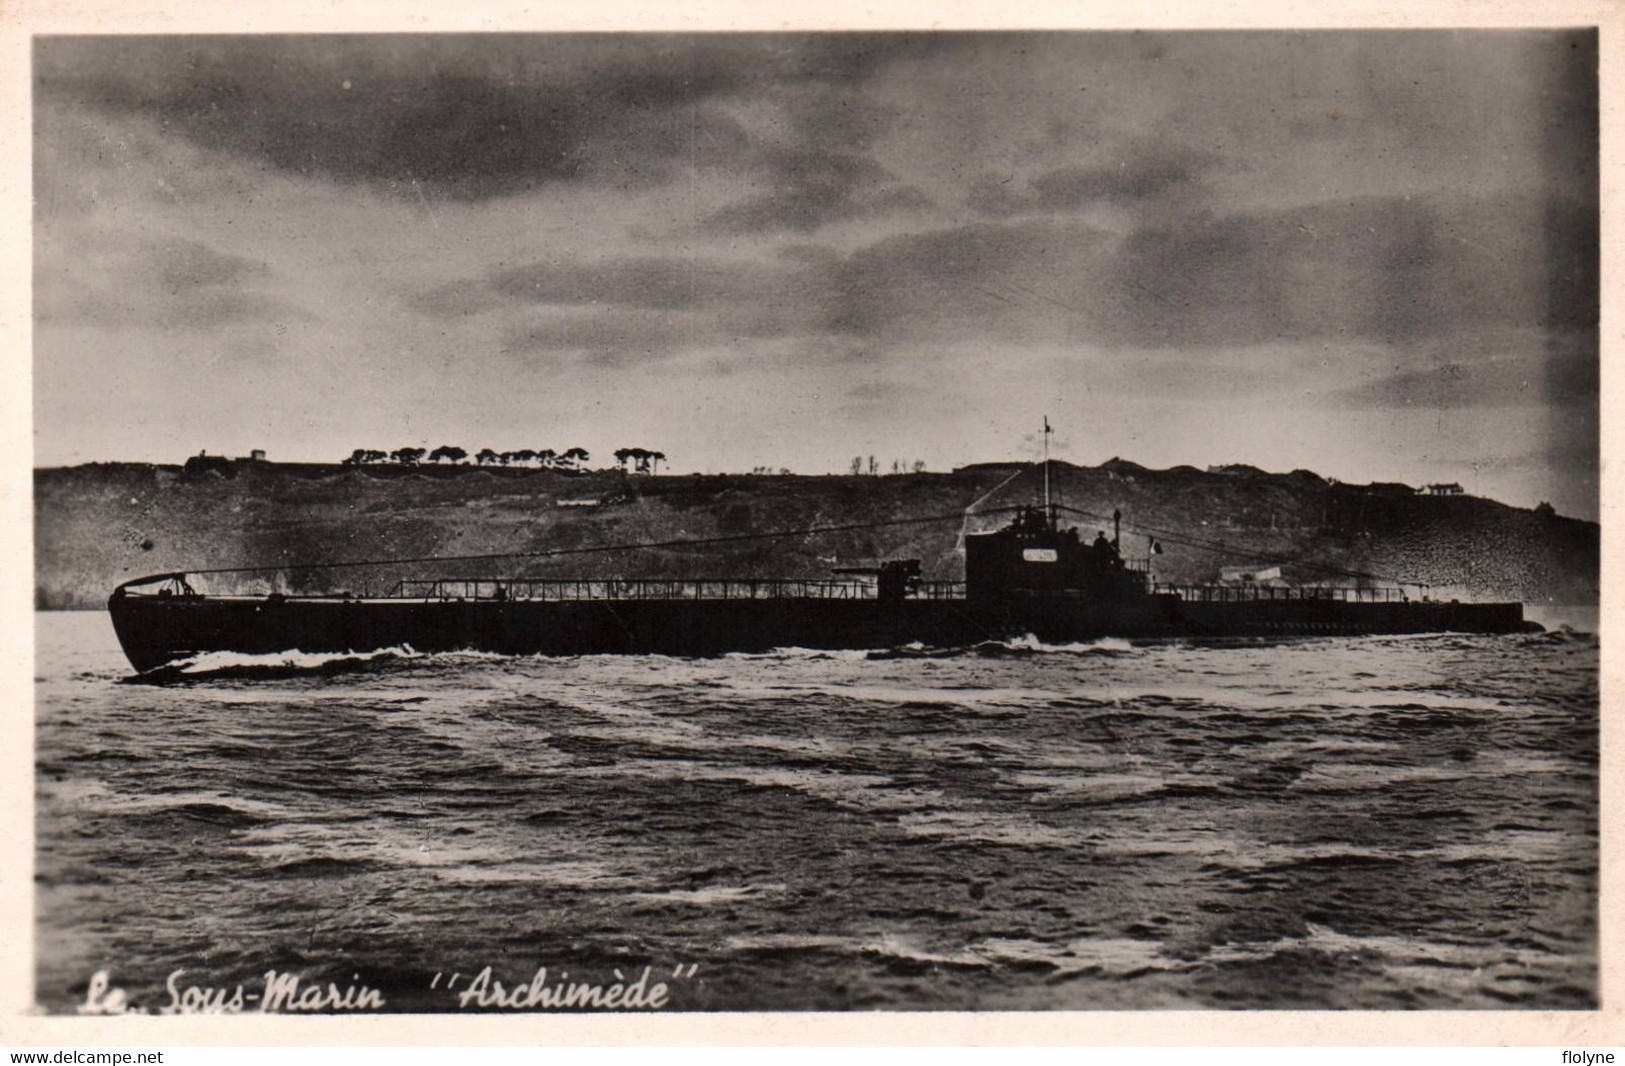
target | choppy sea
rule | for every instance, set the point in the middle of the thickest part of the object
(1378, 823)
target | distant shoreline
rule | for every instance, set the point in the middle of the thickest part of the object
(98, 524)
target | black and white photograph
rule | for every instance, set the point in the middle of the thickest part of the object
(846, 521)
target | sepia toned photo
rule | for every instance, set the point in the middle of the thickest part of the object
(848, 521)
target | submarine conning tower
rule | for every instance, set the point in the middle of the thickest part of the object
(1033, 556)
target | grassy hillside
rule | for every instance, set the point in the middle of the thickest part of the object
(100, 524)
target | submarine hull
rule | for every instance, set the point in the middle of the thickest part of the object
(156, 631)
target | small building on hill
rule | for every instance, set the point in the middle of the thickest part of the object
(1444, 489)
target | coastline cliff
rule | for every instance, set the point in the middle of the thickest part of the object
(99, 524)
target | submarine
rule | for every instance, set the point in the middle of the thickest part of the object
(1032, 576)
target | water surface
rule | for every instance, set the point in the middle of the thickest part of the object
(1363, 823)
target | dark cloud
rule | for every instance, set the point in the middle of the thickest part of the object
(1142, 174)
(649, 283)
(622, 309)
(213, 308)
(818, 173)
(900, 199)
(609, 338)
(463, 116)
(833, 116)
(78, 153)
(157, 282)
(810, 189)
(1387, 268)
(1392, 270)
(620, 337)
(986, 280)
(181, 264)
(1563, 372)
(457, 299)
(1382, 271)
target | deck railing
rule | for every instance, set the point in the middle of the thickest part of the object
(1284, 593)
(567, 589)
(572, 589)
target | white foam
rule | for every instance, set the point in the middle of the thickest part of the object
(988, 827)
(1109, 955)
(701, 897)
(819, 654)
(1031, 643)
(1405, 949)
(897, 947)
(225, 661)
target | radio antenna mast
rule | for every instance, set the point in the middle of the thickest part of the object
(1048, 507)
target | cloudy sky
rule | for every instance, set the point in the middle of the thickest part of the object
(1369, 254)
